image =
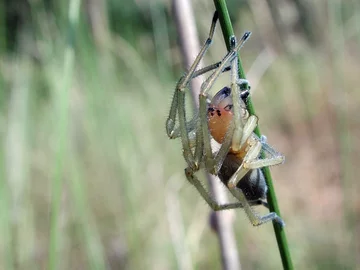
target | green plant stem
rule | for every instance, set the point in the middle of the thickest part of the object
(228, 31)
(57, 183)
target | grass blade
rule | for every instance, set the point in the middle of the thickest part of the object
(69, 56)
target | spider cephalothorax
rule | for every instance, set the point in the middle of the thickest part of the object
(226, 120)
(220, 112)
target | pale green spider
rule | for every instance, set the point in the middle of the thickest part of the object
(226, 120)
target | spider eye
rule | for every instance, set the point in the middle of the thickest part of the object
(222, 99)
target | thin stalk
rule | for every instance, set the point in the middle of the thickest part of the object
(57, 185)
(227, 30)
(342, 129)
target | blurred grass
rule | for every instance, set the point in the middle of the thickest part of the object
(117, 163)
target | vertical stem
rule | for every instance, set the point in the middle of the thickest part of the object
(345, 141)
(69, 55)
(227, 30)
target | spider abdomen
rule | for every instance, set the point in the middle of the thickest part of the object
(252, 184)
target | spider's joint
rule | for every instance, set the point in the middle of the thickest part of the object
(244, 84)
(280, 221)
(232, 41)
(246, 35)
(246, 164)
(210, 164)
(231, 185)
(216, 207)
(189, 172)
(213, 171)
(170, 124)
(180, 89)
(244, 95)
(193, 167)
(171, 135)
(256, 222)
(263, 139)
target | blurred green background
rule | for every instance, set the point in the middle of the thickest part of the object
(88, 177)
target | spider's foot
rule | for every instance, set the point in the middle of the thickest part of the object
(189, 175)
(272, 216)
(233, 42)
(279, 221)
(170, 124)
(263, 139)
(211, 167)
(192, 168)
(243, 84)
(244, 95)
(246, 36)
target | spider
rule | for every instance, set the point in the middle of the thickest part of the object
(225, 119)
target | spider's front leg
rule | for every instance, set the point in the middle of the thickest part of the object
(178, 109)
(212, 163)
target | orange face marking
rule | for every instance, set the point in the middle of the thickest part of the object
(219, 120)
(220, 115)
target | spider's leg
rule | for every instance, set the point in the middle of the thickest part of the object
(241, 131)
(261, 202)
(250, 158)
(190, 127)
(170, 122)
(209, 199)
(210, 68)
(224, 149)
(248, 129)
(210, 163)
(232, 53)
(174, 132)
(184, 80)
(243, 84)
(254, 217)
(273, 157)
(268, 149)
(179, 102)
(251, 155)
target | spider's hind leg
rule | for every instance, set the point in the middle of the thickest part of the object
(272, 157)
(192, 178)
(255, 218)
(251, 161)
